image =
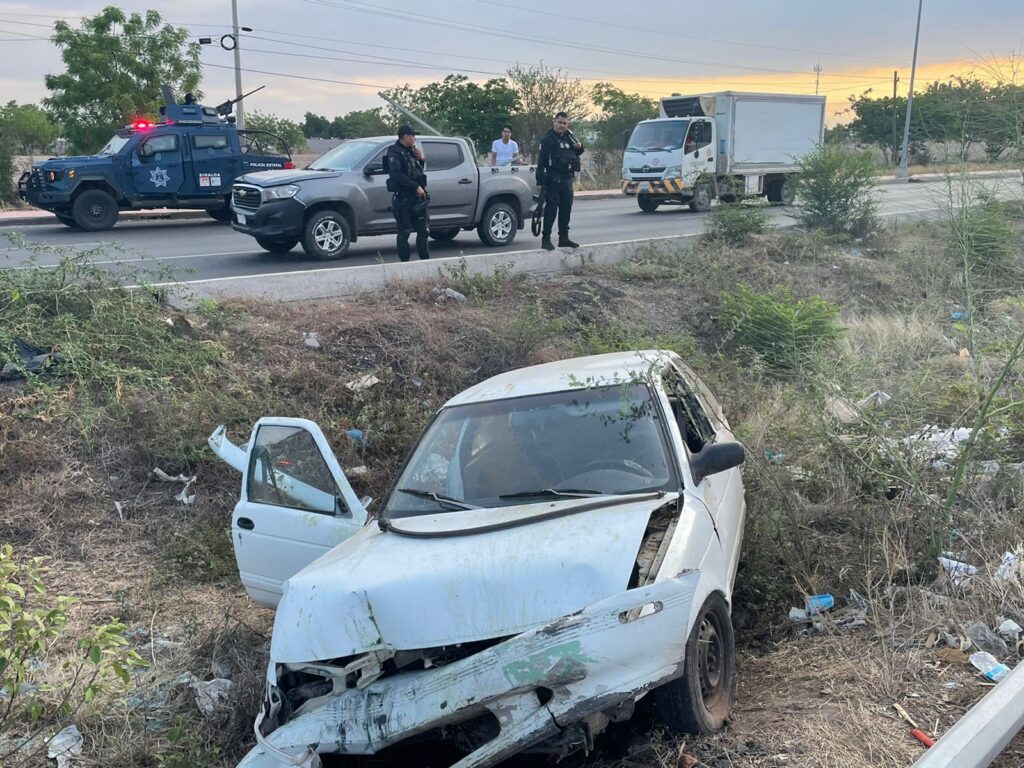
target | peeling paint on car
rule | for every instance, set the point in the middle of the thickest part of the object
(528, 671)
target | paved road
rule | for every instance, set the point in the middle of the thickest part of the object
(200, 250)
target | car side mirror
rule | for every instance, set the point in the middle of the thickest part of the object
(145, 151)
(373, 169)
(714, 458)
(696, 153)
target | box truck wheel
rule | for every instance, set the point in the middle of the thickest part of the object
(701, 201)
(787, 192)
(647, 203)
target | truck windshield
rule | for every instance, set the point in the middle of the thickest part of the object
(658, 136)
(536, 449)
(115, 145)
(344, 157)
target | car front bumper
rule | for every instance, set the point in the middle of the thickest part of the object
(586, 667)
(674, 187)
(275, 218)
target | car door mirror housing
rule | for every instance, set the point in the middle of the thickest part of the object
(145, 151)
(373, 169)
(714, 458)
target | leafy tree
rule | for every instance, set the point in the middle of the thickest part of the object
(363, 122)
(542, 92)
(288, 130)
(873, 122)
(115, 64)
(620, 111)
(316, 127)
(26, 128)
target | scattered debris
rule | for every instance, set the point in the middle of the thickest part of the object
(416, 382)
(934, 442)
(952, 656)
(1009, 566)
(876, 399)
(985, 639)
(797, 614)
(363, 382)
(1010, 630)
(906, 716)
(451, 293)
(357, 471)
(774, 457)
(989, 666)
(686, 760)
(159, 646)
(923, 737)
(311, 339)
(222, 668)
(820, 603)
(210, 693)
(959, 573)
(65, 746)
(120, 510)
(959, 316)
(358, 437)
(841, 409)
(184, 497)
(179, 324)
(32, 359)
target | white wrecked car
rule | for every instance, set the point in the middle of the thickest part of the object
(562, 540)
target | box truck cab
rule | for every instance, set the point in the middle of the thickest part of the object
(727, 145)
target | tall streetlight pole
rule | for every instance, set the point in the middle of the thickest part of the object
(817, 77)
(901, 169)
(239, 110)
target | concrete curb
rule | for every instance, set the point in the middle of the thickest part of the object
(44, 218)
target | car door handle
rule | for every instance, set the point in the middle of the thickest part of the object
(465, 181)
(246, 523)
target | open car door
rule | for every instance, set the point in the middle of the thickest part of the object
(295, 505)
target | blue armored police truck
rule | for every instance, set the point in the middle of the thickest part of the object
(187, 159)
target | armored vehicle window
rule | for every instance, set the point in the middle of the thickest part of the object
(168, 143)
(442, 156)
(209, 141)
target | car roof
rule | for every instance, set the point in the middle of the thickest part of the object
(562, 375)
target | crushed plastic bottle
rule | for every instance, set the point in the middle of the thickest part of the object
(989, 666)
(820, 603)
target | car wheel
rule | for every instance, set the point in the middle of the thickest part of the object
(499, 225)
(277, 244)
(701, 201)
(700, 702)
(443, 235)
(94, 210)
(647, 203)
(327, 235)
(219, 214)
(67, 221)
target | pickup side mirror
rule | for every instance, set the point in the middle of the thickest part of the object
(374, 169)
(696, 153)
(714, 458)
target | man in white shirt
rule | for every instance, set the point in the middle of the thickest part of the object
(504, 150)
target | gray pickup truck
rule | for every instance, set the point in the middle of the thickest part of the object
(342, 195)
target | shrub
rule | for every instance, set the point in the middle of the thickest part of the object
(834, 191)
(786, 331)
(983, 239)
(736, 223)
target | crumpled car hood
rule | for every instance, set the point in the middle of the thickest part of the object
(380, 589)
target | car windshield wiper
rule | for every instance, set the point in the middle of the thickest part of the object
(439, 498)
(635, 149)
(572, 493)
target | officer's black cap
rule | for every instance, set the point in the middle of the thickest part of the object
(406, 130)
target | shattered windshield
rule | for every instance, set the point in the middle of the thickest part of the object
(658, 136)
(344, 157)
(115, 145)
(536, 449)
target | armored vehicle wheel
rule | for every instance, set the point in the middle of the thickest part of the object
(277, 244)
(443, 235)
(94, 210)
(67, 221)
(219, 214)
(327, 235)
(701, 201)
(499, 225)
(700, 701)
(647, 203)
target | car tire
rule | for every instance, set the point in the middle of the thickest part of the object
(277, 244)
(701, 201)
(222, 213)
(787, 192)
(499, 225)
(327, 235)
(67, 221)
(94, 210)
(700, 702)
(647, 203)
(443, 235)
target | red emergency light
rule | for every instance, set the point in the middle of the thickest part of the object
(289, 165)
(142, 125)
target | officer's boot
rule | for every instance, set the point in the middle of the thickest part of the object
(565, 242)
(546, 244)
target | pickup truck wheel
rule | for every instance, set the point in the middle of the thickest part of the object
(327, 235)
(701, 202)
(443, 235)
(67, 221)
(219, 214)
(499, 225)
(94, 210)
(277, 244)
(700, 702)
(647, 203)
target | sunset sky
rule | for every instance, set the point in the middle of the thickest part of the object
(331, 56)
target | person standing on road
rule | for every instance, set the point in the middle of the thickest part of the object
(407, 181)
(504, 150)
(557, 164)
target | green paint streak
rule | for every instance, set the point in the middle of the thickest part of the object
(533, 668)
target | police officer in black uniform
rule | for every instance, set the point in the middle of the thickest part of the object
(559, 160)
(407, 181)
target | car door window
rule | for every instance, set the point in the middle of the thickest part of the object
(210, 141)
(161, 144)
(376, 165)
(442, 156)
(694, 425)
(286, 469)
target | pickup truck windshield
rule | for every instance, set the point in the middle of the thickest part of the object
(345, 157)
(656, 137)
(114, 146)
(535, 450)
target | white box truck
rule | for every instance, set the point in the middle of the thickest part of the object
(725, 145)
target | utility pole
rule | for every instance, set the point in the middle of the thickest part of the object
(817, 77)
(411, 115)
(239, 109)
(895, 112)
(901, 169)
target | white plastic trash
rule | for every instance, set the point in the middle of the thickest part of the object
(989, 666)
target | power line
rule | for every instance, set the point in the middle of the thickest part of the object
(299, 77)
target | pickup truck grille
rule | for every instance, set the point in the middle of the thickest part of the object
(654, 171)
(245, 198)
